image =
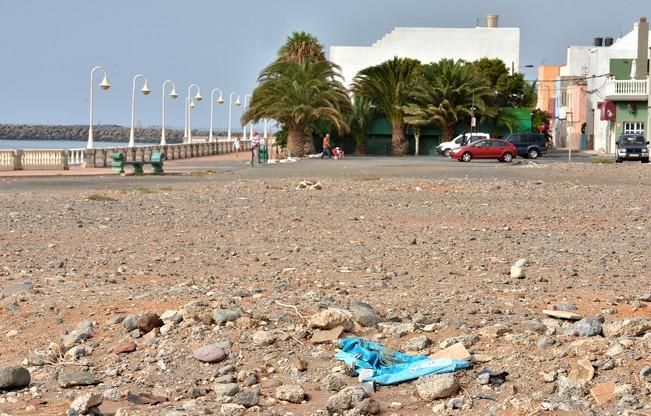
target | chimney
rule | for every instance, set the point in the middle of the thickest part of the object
(492, 20)
(642, 29)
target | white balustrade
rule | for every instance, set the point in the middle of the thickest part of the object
(628, 88)
(77, 157)
(7, 159)
(44, 159)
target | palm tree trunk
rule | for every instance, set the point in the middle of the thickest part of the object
(398, 140)
(360, 144)
(447, 133)
(295, 142)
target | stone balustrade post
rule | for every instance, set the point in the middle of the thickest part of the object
(90, 158)
(66, 156)
(18, 159)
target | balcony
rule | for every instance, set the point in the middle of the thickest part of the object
(627, 90)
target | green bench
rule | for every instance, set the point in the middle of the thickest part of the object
(119, 161)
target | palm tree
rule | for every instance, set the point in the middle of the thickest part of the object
(388, 86)
(300, 47)
(360, 120)
(448, 92)
(297, 95)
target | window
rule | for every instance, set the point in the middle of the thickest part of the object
(633, 127)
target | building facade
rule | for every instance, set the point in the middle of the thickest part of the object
(428, 44)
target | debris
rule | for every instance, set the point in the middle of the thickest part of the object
(145, 398)
(603, 393)
(570, 316)
(456, 351)
(323, 337)
(581, 372)
(439, 386)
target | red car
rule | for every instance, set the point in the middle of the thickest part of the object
(485, 149)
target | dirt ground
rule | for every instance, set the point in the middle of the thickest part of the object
(429, 245)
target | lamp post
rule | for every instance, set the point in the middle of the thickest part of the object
(174, 95)
(247, 96)
(103, 85)
(189, 104)
(145, 91)
(265, 136)
(230, 111)
(220, 100)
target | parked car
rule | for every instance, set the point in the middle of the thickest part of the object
(631, 147)
(467, 138)
(530, 145)
(485, 149)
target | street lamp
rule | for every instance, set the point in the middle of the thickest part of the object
(220, 100)
(189, 104)
(247, 96)
(172, 94)
(230, 111)
(103, 85)
(145, 91)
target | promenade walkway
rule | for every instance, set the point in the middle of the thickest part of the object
(179, 166)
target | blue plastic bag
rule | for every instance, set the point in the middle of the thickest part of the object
(392, 367)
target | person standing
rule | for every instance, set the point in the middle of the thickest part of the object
(255, 148)
(326, 146)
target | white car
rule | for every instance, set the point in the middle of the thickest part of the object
(444, 148)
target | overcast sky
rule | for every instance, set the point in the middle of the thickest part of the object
(48, 47)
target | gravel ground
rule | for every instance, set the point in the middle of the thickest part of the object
(111, 287)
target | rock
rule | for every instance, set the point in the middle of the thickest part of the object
(334, 382)
(209, 354)
(14, 378)
(397, 329)
(418, 343)
(221, 316)
(263, 338)
(15, 289)
(228, 389)
(75, 353)
(148, 321)
(130, 322)
(581, 372)
(587, 327)
(570, 316)
(125, 348)
(517, 272)
(569, 390)
(521, 263)
(368, 407)
(69, 379)
(634, 327)
(250, 380)
(567, 307)
(112, 395)
(484, 378)
(545, 342)
(345, 399)
(290, 393)
(456, 351)
(536, 326)
(440, 386)
(247, 398)
(364, 314)
(168, 315)
(645, 373)
(331, 318)
(232, 409)
(466, 340)
(603, 393)
(456, 403)
(327, 336)
(83, 403)
(299, 364)
(615, 350)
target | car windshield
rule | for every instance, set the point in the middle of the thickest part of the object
(631, 140)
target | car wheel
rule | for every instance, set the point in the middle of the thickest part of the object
(645, 160)
(533, 153)
(446, 153)
(508, 157)
(618, 160)
(466, 157)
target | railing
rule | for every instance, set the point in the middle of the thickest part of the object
(7, 159)
(628, 88)
(77, 157)
(101, 157)
(44, 159)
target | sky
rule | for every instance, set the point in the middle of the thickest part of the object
(48, 47)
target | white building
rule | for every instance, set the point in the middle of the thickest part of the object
(429, 44)
(592, 62)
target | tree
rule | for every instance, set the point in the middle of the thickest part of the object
(388, 87)
(490, 70)
(360, 120)
(446, 95)
(514, 91)
(300, 47)
(297, 95)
